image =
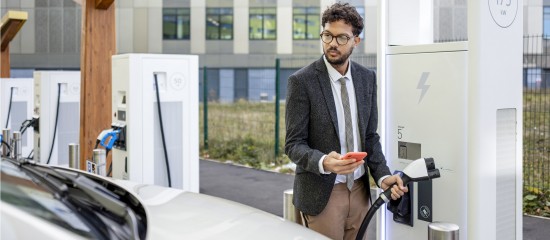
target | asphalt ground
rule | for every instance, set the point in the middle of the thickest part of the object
(264, 190)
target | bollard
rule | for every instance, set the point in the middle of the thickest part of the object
(74, 155)
(16, 145)
(442, 231)
(288, 210)
(99, 160)
(7, 137)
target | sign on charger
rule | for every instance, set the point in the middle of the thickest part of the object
(91, 167)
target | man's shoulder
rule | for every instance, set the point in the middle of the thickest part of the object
(361, 68)
(307, 70)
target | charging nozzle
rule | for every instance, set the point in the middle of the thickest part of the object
(111, 136)
(422, 169)
(434, 173)
(430, 165)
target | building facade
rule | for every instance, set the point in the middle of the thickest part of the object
(236, 40)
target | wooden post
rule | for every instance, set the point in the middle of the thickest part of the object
(10, 25)
(97, 46)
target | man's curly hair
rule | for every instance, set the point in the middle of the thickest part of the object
(345, 12)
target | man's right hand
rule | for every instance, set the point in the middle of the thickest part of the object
(333, 163)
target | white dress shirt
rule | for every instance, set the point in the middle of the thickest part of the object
(336, 93)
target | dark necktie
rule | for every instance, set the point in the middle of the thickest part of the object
(349, 126)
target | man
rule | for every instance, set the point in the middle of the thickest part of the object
(331, 110)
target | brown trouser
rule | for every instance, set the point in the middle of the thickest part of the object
(343, 214)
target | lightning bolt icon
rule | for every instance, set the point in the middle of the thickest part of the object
(422, 85)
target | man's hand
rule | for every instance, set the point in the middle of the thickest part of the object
(333, 163)
(396, 191)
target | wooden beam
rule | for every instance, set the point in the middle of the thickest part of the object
(97, 46)
(103, 4)
(5, 63)
(10, 25)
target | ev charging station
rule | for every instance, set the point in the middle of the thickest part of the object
(57, 104)
(460, 103)
(139, 154)
(19, 93)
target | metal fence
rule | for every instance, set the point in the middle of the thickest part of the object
(242, 111)
(536, 113)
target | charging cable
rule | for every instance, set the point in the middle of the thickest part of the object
(162, 132)
(55, 125)
(9, 107)
(5, 143)
(29, 123)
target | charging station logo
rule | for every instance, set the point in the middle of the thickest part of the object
(504, 12)
(422, 86)
(425, 211)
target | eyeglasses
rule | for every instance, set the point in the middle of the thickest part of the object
(341, 39)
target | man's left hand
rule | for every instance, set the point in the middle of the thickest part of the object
(398, 190)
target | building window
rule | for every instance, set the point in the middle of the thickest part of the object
(361, 11)
(306, 23)
(219, 23)
(263, 24)
(546, 22)
(176, 23)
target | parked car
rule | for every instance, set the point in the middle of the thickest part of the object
(45, 202)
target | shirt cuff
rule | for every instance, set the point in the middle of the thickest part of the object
(321, 168)
(382, 179)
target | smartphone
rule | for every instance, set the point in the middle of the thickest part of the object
(358, 156)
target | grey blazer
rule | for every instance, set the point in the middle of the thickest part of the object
(312, 131)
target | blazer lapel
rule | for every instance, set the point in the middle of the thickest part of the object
(326, 88)
(359, 83)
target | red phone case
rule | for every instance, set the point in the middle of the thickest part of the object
(357, 155)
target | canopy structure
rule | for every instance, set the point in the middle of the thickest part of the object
(10, 25)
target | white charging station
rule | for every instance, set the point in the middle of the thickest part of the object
(141, 157)
(460, 103)
(19, 92)
(48, 86)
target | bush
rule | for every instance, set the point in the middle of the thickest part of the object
(536, 201)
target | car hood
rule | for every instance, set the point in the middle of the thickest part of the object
(176, 214)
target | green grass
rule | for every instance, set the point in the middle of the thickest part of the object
(536, 152)
(244, 133)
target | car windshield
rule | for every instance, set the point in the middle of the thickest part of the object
(81, 203)
(22, 191)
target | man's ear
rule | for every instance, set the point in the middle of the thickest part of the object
(357, 40)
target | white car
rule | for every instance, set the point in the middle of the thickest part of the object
(44, 202)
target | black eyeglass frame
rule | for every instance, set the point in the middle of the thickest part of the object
(332, 37)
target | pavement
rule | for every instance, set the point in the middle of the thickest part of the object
(264, 190)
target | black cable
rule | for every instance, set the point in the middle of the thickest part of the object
(376, 205)
(372, 210)
(9, 108)
(24, 125)
(28, 123)
(30, 156)
(56, 118)
(9, 147)
(110, 165)
(162, 132)
(110, 169)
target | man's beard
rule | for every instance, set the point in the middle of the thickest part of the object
(338, 61)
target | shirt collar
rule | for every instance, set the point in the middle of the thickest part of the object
(333, 73)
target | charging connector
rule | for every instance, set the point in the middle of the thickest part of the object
(419, 170)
